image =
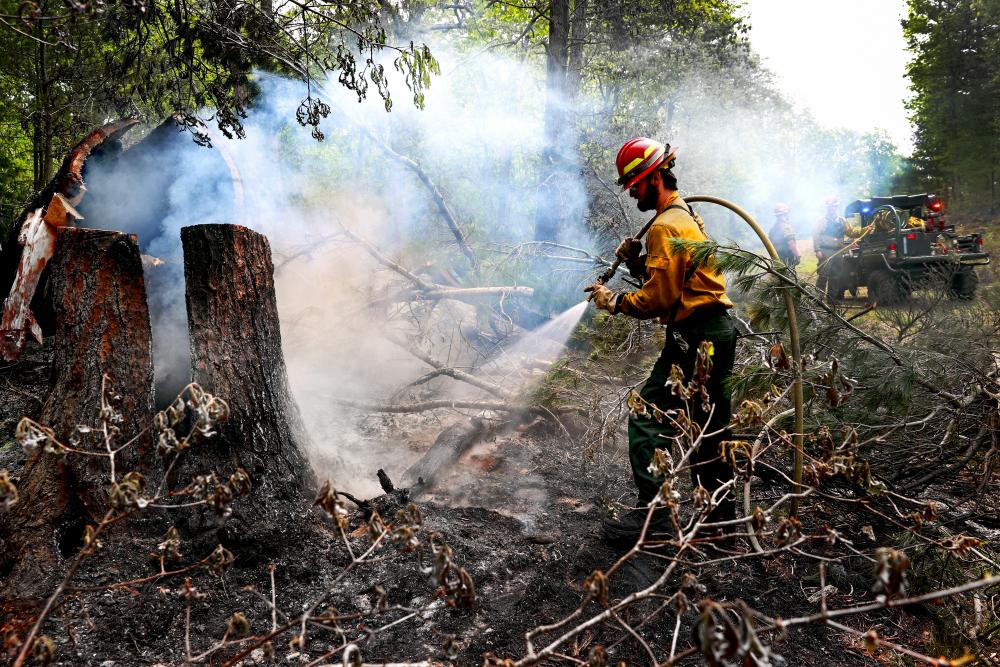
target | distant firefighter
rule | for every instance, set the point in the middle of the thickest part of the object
(782, 236)
(831, 232)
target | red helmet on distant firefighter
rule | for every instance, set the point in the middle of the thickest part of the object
(781, 209)
(639, 157)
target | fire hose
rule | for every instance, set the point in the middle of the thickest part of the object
(610, 273)
(793, 330)
(868, 230)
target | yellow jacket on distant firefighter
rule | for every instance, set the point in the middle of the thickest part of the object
(671, 291)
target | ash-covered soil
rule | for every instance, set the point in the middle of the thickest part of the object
(528, 557)
(520, 510)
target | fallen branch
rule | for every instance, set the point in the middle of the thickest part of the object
(442, 369)
(471, 295)
(436, 195)
(463, 293)
(385, 261)
(426, 290)
(984, 434)
(424, 406)
(304, 250)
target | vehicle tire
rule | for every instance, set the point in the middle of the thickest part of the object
(885, 289)
(963, 285)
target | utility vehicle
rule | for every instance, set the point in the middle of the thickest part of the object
(910, 244)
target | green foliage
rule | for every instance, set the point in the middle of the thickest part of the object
(955, 75)
(66, 69)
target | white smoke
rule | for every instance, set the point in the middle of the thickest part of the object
(479, 138)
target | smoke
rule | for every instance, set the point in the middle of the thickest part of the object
(757, 151)
(482, 150)
(481, 140)
(738, 138)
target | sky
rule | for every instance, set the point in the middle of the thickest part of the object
(843, 60)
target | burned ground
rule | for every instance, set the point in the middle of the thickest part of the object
(528, 557)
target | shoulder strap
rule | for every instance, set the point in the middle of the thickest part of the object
(687, 208)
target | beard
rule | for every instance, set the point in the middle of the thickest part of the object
(648, 200)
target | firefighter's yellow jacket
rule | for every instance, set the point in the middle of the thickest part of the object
(665, 293)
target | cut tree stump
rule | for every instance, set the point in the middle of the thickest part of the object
(102, 328)
(236, 355)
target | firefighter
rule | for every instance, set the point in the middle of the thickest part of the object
(828, 240)
(782, 237)
(691, 301)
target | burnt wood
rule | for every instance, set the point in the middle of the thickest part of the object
(236, 354)
(102, 327)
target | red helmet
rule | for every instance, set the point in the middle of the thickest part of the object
(640, 156)
(831, 201)
(781, 209)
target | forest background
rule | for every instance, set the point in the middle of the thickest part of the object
(603, 71)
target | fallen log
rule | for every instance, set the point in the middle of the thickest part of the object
(236, 355)
(424, 406)
(102, 358)
(448, 447)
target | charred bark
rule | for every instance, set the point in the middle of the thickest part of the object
(236, 355)
(102, 330)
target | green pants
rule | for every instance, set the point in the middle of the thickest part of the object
(646, 435)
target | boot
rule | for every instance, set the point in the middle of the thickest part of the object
(628, 526)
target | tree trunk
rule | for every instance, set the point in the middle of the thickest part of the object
(556, 68)
(575, 49)
(559, 136)
(236, 355)
(102, 330)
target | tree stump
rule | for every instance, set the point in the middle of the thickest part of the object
(102, 328)
(236, 355)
